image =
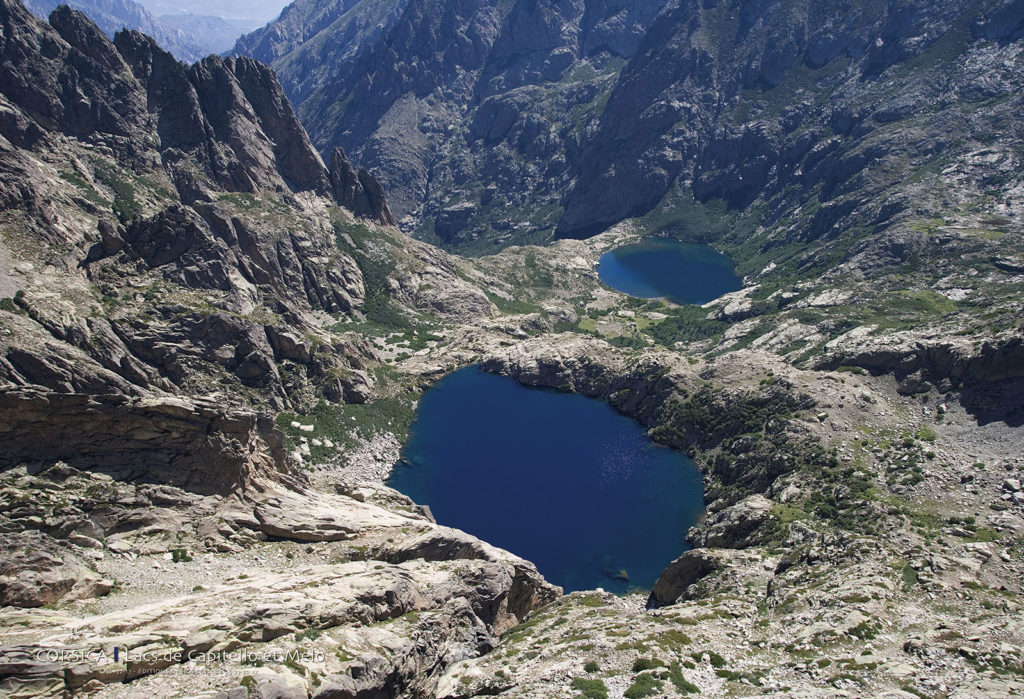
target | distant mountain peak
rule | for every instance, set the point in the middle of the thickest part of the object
(188, 36)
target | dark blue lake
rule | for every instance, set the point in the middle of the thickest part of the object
(686, 273)
(559, 479)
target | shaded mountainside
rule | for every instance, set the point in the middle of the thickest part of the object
(309, 41)
(497, 123)
(469, 112)
(189, 37)
(776, 106)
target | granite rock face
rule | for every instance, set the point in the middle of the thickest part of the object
(358, 191)
(36, 570)
(738, 106)
(130, 164)
(677, 580)
(462, 110)
(192, 446)
(552, 118)
(387, 623)
(229, 117)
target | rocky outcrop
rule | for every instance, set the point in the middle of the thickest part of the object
(378, 618)
(415, 600)
(528, 590)
(936, 360)
(737, 526)
(359, 192)
(36, 571)
(677, 580)
(436, 286)
(208, 247)
(195, 446)
(986, 376)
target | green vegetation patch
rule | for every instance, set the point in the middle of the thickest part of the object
(250, 202)
(511, 306)
(641, 664)
(87, 190)
(675, 676)
(376, 266)
(645, 685)
(125, 206)
(703, 417)
(342, 423)
(592, 689)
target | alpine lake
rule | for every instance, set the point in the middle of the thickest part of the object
(559, 479)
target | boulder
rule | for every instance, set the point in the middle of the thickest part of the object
(35, 571)
(736, 526)
(677, 580)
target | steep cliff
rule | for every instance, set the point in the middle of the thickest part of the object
(786, 125)
(471, 113)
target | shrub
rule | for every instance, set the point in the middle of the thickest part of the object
(714, 658)
(641, 664)
(644, 685)
(675, 674)
(591, 689)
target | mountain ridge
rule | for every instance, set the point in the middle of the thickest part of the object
(189, 37)
(180, 272)
(415, 51)
(476, 158)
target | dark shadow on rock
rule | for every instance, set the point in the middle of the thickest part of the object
(999, 401)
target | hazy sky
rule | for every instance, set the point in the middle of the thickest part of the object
(258, 11)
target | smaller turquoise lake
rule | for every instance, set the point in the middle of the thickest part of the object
(685, 273)
(559, 479)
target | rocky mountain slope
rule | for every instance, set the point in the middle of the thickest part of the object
(860, 164)
(124, 163)
(814, 122)
(175, 262)
(739, 104)
(471, 113)
(212, 345)
(189, 37)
